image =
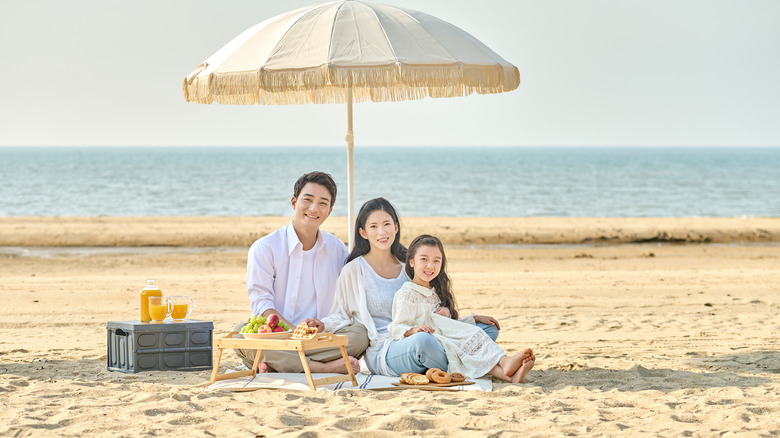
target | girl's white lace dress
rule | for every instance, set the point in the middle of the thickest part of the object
(469, 350)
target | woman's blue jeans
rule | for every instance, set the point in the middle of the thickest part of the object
(421, 351)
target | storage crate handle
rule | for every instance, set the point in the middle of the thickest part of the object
(120, 332)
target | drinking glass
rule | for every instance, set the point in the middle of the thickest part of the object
(181, 307)
(159, 309)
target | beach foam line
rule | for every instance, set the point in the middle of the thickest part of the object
(108, 231)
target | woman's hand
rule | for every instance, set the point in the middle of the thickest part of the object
(420, 328)
(443, 311)
(487, 320)
(314, 323)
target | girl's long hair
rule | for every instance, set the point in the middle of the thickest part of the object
(441, 283)
(362, 247)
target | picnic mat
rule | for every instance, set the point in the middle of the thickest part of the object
(298, 382)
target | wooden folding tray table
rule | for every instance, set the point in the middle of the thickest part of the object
(321, 340)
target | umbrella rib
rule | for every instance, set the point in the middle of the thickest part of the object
(300, 17)
(332, 33)
(387, 39)
(429, 34)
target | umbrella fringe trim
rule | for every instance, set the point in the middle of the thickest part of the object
(328, 84)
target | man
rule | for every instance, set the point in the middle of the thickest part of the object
(292, 273)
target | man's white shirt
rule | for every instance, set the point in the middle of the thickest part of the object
(280, 277)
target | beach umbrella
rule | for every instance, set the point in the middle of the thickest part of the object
(344, 52)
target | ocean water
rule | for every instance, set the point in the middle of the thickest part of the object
(421, 181)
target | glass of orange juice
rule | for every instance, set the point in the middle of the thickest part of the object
(159, 308)
(181, 307)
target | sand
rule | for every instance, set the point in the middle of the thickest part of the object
(632, 339)
(242, 231)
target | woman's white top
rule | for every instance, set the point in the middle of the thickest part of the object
(364, 297)
(379, 294)
(469, 349)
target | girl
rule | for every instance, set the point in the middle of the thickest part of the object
(422, 305)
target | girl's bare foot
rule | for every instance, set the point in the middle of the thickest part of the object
(528, 364)
(514, 363)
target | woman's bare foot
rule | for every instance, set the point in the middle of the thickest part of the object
(514, 363)
(335, 366)
(528, 364)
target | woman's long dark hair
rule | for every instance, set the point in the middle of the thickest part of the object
(441, 282)
(362, 247)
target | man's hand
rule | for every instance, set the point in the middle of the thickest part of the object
(487, 320)
(443, 311)
(420, 328)
(281, 318)
(314, 323)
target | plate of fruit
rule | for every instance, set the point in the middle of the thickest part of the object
(260, 327)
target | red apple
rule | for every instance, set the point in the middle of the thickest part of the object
(272, 321)
(264, 329)
(278, 329)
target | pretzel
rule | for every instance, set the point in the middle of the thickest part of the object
(303, 331)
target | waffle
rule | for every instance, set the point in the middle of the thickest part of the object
(303, 331)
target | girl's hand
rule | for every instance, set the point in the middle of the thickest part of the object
(487, 320)
(420, 328)
(443, 311)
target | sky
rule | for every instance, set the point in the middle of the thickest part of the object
(593, 73)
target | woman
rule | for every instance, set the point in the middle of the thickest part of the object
(364, 294)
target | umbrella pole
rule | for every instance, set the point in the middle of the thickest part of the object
(350, 174)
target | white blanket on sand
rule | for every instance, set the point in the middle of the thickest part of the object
(297, 381)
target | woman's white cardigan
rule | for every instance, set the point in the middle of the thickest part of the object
(350, 306)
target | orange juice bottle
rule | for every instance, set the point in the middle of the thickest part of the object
(151, 290)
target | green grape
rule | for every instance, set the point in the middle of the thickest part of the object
(254, 330)
(252, 320)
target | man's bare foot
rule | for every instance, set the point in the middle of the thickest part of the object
(262, 367)
(336, 366)
(514, 363)
(528, 364)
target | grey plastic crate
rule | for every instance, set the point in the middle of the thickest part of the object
(135, 346)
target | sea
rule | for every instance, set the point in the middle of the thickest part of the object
(419, 181)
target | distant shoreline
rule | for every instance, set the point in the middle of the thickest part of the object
(109, 231)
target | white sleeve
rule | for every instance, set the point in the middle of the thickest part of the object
(404, 314)
(260, 275)
(468, 319)
(345, 303)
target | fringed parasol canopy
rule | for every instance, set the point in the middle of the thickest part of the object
(382, 53)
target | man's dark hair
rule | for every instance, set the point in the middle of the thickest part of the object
(320, 178)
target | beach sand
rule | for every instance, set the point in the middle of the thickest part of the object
(632, 339)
